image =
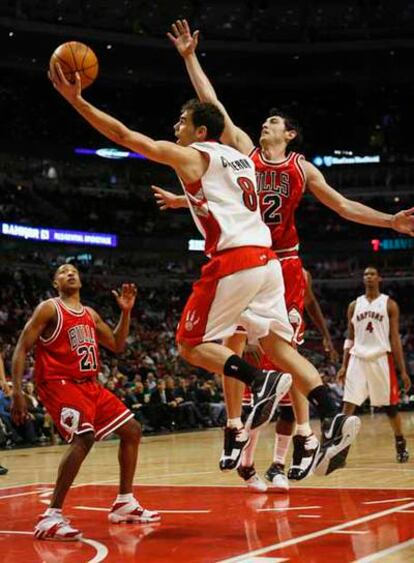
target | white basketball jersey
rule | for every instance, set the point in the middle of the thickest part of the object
(224, 203)
(371, 328)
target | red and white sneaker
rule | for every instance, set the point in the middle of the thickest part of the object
(132, 511)
(55, 527)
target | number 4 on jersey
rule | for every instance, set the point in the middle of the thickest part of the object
(369, 327)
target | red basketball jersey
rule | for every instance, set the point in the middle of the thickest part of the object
(280, 187)
(71, 352)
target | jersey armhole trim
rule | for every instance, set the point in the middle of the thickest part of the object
(58, 328)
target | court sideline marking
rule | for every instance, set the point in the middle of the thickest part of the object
(313, 535)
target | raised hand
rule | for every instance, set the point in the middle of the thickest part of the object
(71, 92)
(167, 200)
(403, 221)
(183, 40)
(126, 296)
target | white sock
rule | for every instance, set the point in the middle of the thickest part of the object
(249, 451)
(234, 423)
(303, 429)
(53, 512)
(280, 451)
(125, 498)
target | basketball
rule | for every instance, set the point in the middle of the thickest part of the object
(74, 56)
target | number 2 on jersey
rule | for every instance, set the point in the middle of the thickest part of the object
(272, 203)
(88, 358)
(249, 193)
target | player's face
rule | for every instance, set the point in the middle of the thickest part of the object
(67, 278)
(185, 131)
(274, 131)
(371, 278)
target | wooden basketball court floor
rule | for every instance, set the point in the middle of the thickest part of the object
(363, 513)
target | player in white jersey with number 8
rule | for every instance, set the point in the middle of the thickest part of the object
(372, 345)
(242, 283)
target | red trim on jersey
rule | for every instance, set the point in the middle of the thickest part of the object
(284, 254)
(193, 187)
(298, 157)
(394, 387)
(271, 162)
(227, 262)
(56, 332)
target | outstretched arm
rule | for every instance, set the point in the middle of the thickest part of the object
(315, 313)
(186, 44)
(187, 162)
(396, 347)
(403, 222)
(115, 339)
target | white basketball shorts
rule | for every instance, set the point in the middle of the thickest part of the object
(375, 379)
(252, 298)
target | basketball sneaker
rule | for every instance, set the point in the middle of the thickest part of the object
(55, 527)
(268, 388)
(253, 481)
(235, 440)
(402, 453)
(276, 475)
(305, 452)
(132, 511)
(338, 433)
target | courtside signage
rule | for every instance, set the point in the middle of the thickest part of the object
(46, 234)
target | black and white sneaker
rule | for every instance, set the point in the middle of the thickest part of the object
(305, 454)
(268, 388)
(276, 475)
(235, 440)
(338, 433)
(401, 449)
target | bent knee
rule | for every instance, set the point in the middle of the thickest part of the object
(130, 431)
(84, 441)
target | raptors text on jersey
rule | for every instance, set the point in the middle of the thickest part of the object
(71, 352)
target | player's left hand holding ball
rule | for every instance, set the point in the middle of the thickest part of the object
(71, 92)
(126, 296)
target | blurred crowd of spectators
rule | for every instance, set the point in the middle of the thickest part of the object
(165, 393)
(254, 20)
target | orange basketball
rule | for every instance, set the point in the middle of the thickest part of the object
(76, 57)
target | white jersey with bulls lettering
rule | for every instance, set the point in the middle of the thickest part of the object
(371, 328)
(224, 202)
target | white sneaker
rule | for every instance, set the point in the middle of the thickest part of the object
(253, 481)
(276, 475)
(132, 511)
(55, 527)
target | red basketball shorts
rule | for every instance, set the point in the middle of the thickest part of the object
(77, 408)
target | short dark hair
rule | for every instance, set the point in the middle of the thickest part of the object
(291, 124)
(207, 114)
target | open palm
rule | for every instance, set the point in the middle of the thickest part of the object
(181, 37)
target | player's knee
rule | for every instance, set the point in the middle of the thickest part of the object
(287, 414)
(130, 431)
(392, 411)
(84, 441)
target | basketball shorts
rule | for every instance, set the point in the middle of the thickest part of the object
(252, 298)
(375, 379)
(295, 286)
(77, 408)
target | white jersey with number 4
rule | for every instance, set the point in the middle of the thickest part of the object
(371, 327)
(224, 202)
